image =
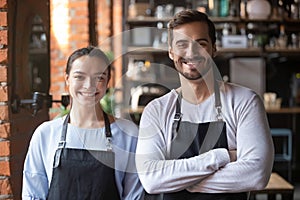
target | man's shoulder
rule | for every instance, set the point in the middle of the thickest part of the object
(238, 90)
(164, 100)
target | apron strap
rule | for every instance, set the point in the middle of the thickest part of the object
(107, 132)
(62, 142)
(218, 104)
(178, 114)
(107, 125)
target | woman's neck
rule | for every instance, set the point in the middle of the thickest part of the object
(87, 117)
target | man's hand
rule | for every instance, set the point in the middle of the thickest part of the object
(232, 155)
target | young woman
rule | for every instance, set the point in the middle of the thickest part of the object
(86, 154)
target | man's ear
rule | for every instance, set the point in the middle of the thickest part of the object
(171, 53)
(214, 51)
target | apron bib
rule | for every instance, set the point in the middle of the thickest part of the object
(191, 139)
(83, 174)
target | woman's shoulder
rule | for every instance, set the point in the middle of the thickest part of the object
(125, 125)
(48, 128)
(47, 134)
(52, 124)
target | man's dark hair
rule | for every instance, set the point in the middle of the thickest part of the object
(188, 16)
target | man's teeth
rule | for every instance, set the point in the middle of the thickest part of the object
(191, 62)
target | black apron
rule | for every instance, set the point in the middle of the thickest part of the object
(83, 174)
(190, 139)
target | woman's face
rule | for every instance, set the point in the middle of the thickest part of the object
(87, 80)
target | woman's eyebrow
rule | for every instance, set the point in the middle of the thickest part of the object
(101, 73)
(97, 73)
(78, 72)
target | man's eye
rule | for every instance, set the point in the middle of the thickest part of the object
(181, 45)
(203, 44)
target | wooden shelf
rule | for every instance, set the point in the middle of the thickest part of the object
(282, 50)
(144, 19)
(144, 49)
(251, 51)
(147, 19)
(284, 110)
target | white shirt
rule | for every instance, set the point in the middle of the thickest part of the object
(212, 172)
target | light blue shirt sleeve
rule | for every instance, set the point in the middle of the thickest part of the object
(35, 181)
(125, 146)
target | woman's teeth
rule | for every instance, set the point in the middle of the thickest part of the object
(88, 94)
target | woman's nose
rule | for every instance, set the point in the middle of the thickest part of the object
(90, 83)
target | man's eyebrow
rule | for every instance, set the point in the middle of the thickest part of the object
(98, 73)
(201, 39)
(182, 40)
(197, 40)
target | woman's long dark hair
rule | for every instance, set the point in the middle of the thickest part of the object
(90, 51)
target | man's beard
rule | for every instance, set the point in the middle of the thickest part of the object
(188, 75)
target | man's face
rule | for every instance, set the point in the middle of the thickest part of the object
(192, 50)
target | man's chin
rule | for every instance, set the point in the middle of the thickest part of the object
(192, 78)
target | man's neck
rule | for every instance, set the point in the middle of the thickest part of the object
(197, 91)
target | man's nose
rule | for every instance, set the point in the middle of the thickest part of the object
(193, 49)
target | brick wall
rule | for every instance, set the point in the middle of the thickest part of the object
(5, 172)
(104, 24)
(67, 16)
(74, 21)
(71, 18)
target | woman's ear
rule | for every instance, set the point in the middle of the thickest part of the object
(67, 79)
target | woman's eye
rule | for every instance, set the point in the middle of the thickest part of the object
(79, 77)
(100, 78)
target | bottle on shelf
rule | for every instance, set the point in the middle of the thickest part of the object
(150, 9)
(295, 9)
(132, 9)
(213, 7)
(224, 8)
(282, 39)
(294, 41)
(243, 10)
